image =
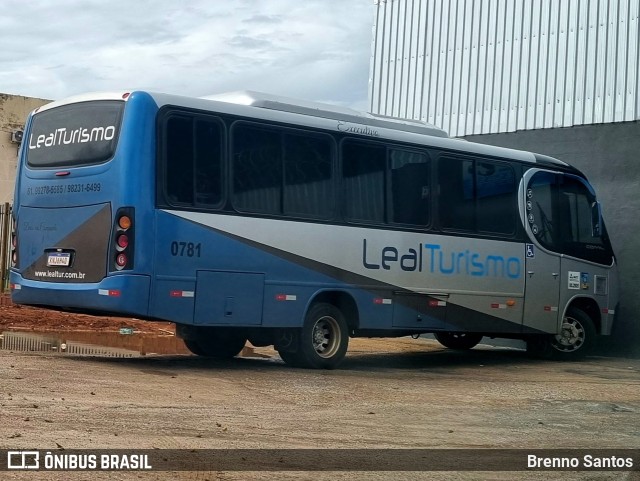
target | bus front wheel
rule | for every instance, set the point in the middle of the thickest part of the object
(458, 340)
(323, 340)
(217, 344)
(574, 341)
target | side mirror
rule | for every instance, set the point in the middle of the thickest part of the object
(596, 219)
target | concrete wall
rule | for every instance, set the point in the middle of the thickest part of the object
(14, 110)
(609, 154)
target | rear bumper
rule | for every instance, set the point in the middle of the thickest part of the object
(120, 294)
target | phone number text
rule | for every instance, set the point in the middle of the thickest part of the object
(64, 189)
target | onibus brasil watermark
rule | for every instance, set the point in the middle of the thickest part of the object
(333, 460)
(55, 461)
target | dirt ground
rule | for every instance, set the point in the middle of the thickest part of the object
(15, 317)
(398, 393)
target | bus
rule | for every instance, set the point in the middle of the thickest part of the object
(252, 217)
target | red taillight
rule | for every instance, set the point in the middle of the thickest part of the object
(123, 241)
(121, 260)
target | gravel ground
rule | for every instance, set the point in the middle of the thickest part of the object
(399, 393)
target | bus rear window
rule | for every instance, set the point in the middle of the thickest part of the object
(75, 135)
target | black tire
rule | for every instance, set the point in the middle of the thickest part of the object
(217, 344)
(575, 340)
(539, 346)
(323, 340)
(290, 358)
(194, 347)
(458, 340)
(287, 344)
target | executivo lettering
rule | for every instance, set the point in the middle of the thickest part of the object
(63, 136)
(434, 259)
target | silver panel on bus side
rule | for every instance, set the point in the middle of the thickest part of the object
(541, 305)
(542, 273)
(579, 280)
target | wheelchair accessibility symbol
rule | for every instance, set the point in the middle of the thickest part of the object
(531, 253)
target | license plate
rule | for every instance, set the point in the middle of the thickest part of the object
(59, 259)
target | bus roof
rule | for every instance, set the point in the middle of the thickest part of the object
(327, 111)
(290, 110)
(86, 97)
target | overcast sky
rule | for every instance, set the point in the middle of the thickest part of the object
(310, 49)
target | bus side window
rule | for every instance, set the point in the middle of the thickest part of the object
(457, 200)
(410, 188)
(542, 217)
(308, 185)
(208, 162)
(496, 206)
(179, 160)
(575, 209)
(363, 173)
(257, 169)
(477, 196)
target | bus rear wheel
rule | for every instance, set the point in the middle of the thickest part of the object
(194, 347)
(322, 342)
(574, 341)
(217, 344)
(458, 340)
(290, 358)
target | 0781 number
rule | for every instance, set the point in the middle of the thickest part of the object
(185, 249)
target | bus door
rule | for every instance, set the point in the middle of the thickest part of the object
(542, 272)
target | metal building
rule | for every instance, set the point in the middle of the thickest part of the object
(489, 66)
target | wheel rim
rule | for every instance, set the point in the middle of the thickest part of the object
(571, 337)
(326, 337)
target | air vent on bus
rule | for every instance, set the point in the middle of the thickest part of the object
(600, 285)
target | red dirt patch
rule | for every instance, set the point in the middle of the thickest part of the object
(15, 317)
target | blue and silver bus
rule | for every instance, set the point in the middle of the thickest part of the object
(251, 217)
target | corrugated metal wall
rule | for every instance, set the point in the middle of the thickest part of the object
(489, 66)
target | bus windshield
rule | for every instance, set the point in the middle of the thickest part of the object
(560, 212)
(75, 135)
